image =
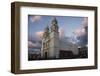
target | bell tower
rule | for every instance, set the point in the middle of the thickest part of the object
(50, 41)
(45, 44)
(46, 32)
(54, 26)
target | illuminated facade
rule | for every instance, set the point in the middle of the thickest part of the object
(51, 44)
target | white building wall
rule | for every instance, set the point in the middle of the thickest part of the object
(54, 44)
(68, 46)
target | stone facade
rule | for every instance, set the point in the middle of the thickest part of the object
(51, 43)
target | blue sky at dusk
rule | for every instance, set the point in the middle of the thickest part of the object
(68, 26)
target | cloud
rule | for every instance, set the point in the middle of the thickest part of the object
(82, 30)
(82, 33)
(35, 18)
(79, 32)
(85, 22)
(30, 44)
(39, 35)
(33, 45)
(61, 33)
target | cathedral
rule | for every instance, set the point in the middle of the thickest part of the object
(52, 46)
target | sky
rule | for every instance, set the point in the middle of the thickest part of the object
(74, 28)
